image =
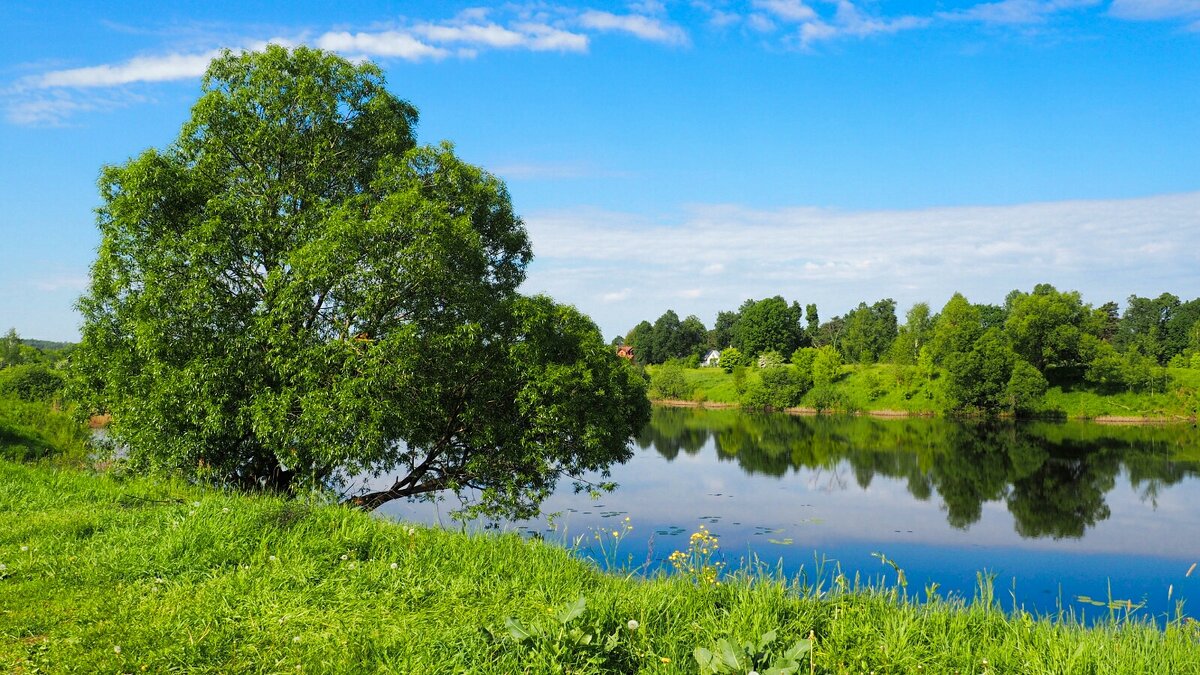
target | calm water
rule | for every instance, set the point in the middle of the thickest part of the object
(1054, 510)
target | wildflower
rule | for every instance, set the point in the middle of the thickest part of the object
(664, 659)
(116, 649)
(632, 624)
(24, 548)
(296, 639)
(394, 565)
(195, 503)
(225, 510)
(272, 558)
(345, 557)
(352, 565)
(616, 534)
(412, 531)
(3, 567)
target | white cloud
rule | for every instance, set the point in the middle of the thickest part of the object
(691, 293)
(617, 296)
(1105, 249)
(386, 43)
(1155, 10)
(787, 10)
(162, 68)
(640, 26)
(1014, 12)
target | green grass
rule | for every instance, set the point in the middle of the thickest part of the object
(184, 578)
(887, 387)
(37, 430)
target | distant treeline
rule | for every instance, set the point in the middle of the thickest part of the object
(991, 356)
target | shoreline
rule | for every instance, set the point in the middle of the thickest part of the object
(1111, 420)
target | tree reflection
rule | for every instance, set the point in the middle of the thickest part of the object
(1052, 477)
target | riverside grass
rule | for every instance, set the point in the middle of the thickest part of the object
(104, 572)
(893, 388)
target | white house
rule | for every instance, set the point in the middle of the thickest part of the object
(712, 358)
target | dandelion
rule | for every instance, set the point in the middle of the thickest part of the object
(395, 566)
(664, 659)
(616, 534)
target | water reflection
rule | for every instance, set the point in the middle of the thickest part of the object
(1052, 477)
(1054, 510)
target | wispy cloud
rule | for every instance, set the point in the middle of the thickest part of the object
(1107, 249)
(1156, 10)
(637, 25)
(1016, 12)
(162, 68)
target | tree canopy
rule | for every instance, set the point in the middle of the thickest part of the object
(295, 293)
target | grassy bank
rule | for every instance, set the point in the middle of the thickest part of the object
(900, 389)
(104, 573)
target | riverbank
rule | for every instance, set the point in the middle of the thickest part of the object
(886, 390)
(111, 573)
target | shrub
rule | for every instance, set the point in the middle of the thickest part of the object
(777, 388)
(732, 358)
(668, 381)
(31, 382)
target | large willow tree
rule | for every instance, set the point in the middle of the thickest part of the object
(294, 293)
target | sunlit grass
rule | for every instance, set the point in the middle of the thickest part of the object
(110, 574)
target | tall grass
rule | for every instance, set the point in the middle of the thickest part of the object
(36, 430)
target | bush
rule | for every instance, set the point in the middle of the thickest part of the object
(777, 389)
(733, 358)
(31, 382)
(668, 381)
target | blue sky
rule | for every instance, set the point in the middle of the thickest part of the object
(686, 154)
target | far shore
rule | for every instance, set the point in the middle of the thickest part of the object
(1121, 420)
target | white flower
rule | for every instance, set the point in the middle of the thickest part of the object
(345, 557)
(225, 510)
(296, 639)
(632, 625)
(272, 558)
(412, 531)
(24, 548)
(4, 567)
(394, 565)
(195, 503)
(116, 649)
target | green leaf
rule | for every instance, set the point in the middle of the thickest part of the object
(728, 654)
(704, 659)
(799, 649)
(766, 639)
(518, 630)
(571, 610)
